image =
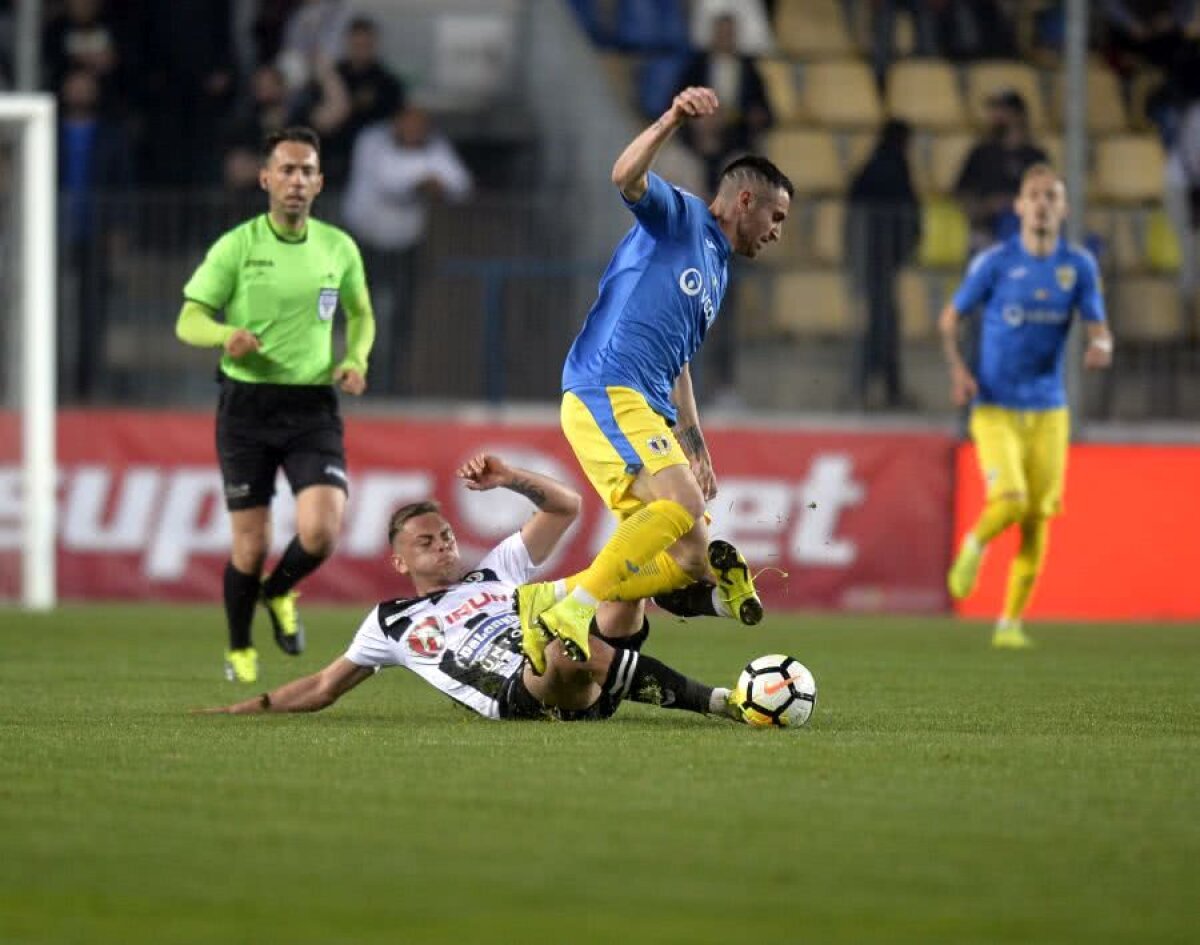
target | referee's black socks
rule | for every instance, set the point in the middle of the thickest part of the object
(241, 597)
(295, 565)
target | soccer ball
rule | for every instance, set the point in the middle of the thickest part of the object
(776, 690)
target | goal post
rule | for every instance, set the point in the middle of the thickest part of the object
(35, 319)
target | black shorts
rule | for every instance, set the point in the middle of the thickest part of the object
(262, 427)
(518, 703)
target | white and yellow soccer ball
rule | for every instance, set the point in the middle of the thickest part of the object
(776, 690)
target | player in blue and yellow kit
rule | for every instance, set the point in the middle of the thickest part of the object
(1029, 287)
(628, 409)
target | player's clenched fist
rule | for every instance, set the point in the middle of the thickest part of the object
(484, 472)
(241, 343)
(694, 102)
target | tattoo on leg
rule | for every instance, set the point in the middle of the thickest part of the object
(529, 490)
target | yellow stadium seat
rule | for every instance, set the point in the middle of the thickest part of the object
(811, 28)
(1162, 243)
(924, 92)
(779, 76)
(841, 93)
(829, 220)
(809, 157)
(1105, 104)
(917, 310)
(1147, 308)
(1124, 247)
(1129, 169)
(987, 78)
(944, 235)
(947, 154)
(811, 302)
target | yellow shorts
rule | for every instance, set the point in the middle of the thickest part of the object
(615, 434)
(1023, 452)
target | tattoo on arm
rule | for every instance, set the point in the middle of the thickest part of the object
(692, 441)
(526, 488)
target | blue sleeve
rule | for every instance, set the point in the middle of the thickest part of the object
(661, 209)
(1091, 290)
(977, 284)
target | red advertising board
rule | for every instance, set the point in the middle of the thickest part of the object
(857, 520)
(1124, 548)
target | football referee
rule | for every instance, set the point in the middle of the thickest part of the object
(279, 278)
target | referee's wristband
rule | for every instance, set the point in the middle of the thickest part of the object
(1102, 344)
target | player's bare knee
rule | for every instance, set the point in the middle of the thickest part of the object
(249, 552)
(319, 540)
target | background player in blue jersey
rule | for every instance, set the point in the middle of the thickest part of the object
(628, 409)
(1029, 287)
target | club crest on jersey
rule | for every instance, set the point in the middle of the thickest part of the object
(327, 302)
(1066, 277)
(425, 638)
(659, 445)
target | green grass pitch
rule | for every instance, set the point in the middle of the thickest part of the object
(942, 793)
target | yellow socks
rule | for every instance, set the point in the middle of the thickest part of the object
(636, 551)
(1026, 566)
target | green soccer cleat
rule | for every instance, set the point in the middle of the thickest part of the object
(1011, 637)
(289, 631)
(735, 582)
(964, 572)
(530, 601)
(242, 665)
(569, 621)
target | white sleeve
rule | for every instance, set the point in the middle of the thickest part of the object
(510, 560)
(370, 647)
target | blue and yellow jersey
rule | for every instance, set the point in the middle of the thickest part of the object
(658, 296)
(1027, 304)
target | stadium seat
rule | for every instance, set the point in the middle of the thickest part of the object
(809, 157)
(947, 154)
(829, 221)
(945, 235)
(1105, 104)
(840, 94)
(1129, 169)
(1125, 251)
(1147, 309)
(811, 302)
(987, 78)
(924, 92)
(779, 76)
(918, 311)
(811, 28)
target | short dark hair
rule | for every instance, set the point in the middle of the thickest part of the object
(362, 24)
(405, 512)
(297, 133)
(756, 167)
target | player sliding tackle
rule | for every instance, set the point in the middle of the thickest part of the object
(628, 409)
(460, 634)
(1029, 287)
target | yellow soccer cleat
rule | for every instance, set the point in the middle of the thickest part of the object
(289, 631)
(1011, 637)
(530, 601)
(735, 582)
(964, 572)
(569, 621)
(241, 665)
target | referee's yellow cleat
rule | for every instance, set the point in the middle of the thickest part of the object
(530, 601)
(964, 572)
(735, 583)
(241, 665)
(569, 621)
(289, 631)
(1011, 637)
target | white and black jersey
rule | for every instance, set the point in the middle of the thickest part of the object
(465, 640)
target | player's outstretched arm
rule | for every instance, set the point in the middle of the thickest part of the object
(629, 173)
(557, 504)
(308, 694)
(963, 386)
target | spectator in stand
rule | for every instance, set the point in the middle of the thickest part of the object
(374, 92)
(270, 18)
(85, 35)
(1149, 30)
(991, 174)
(314, 32)
(398, 169)
(745, 112)
(883, 228)
(754, 37)
(924, 15)
(1183, 197)
(94, 175)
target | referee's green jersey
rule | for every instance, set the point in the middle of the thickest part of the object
(285, 290)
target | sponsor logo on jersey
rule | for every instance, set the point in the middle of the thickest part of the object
(483, 635)
(327, 302)
(1018, 273)
(252, 263)
(691, 282)
(1065, 275)
(476, 604)
(1016, 315)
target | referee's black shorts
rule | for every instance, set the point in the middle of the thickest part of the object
(263, 427)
